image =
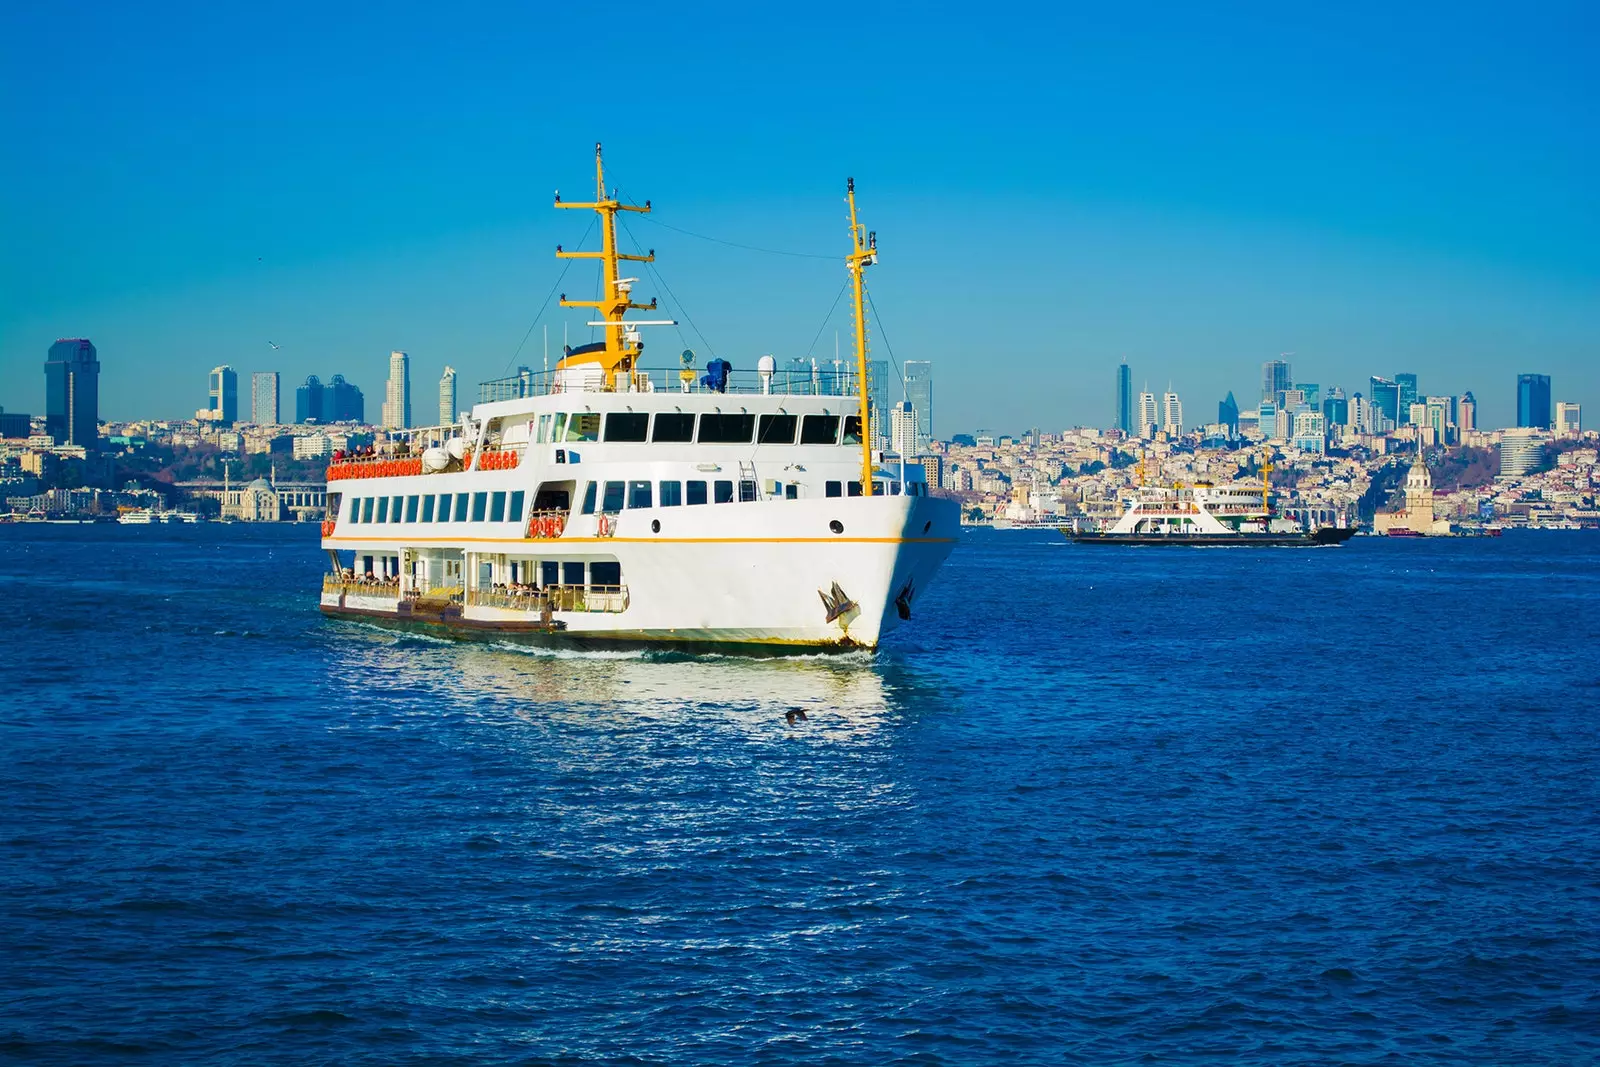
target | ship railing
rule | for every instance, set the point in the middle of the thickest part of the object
(333, 583)
(374, 467)
(546, 525)
(512, 599)
(607, 598)
(783, 381)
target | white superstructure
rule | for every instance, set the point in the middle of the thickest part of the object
(603, 501)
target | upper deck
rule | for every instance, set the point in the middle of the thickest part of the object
(795, 378)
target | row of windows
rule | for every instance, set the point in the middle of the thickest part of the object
(445, 507)
(676, 427)
(641, 494)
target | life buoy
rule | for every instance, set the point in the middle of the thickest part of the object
(605, 525)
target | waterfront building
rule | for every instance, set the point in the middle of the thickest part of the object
(1417, 515)
(1149, 419)
(1228, 415)
(1521, 450)
(1336, 408)
(308, 401)
(1124, 417)
(222, 400)
(919, 391)
(447, 397)
(1569, 419)
(1274, 380)
(397, 394)
(264, 397)
(1384, 398)
(1406, 383)
(1533, 401)
(72, 393)
(1468, 418)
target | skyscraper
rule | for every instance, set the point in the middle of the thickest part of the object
(264, 397)
(1384, 400)
(878, 401)
(397, 396)
(1407, 384)
(72, 393)
(223, 395)
(447, 397)
(1310, 394)
(1335, 408)
(308, 401)
(1360, 414)
(1274, 380)
(343, 402)
(1124, 418)
(919, 391)
(1533, 400)
(1569, 418)
(1171, 412)
(1469, 413)
(1228, 414)
(1149, 417)
(903, 432)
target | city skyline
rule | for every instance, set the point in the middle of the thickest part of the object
(1190, 223)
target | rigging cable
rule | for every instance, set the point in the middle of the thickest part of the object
(543, 307)
(651, 267)
(733, 244)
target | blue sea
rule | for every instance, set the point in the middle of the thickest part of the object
(1093, 805)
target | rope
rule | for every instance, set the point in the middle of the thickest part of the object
(731, 244)
(827, 318)
(659, 280)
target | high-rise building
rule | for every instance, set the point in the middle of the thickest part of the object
(1274, 380)
(222, 399)
(1335, 408)
(1360, 414)
(447, 397)
(1384, 399)
(877, 401)
(1533, 401)
(308, 401)
(343, 402)
(1468, 418)
(1406, 383)
(903, 429)
(919, 391)
(1149, 416)
(397, 396)
(1569, 418)
(1171, 413)
(16, 424)
(1436, 417)
(264, 397)
(72, 393)
(1311, 394)
(1124, 420)
(1228, 414)
(1521, 449)
(1267, 419)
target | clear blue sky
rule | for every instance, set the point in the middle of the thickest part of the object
(1375, 187)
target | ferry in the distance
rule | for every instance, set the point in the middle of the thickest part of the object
(605, 502)
(1205, 514)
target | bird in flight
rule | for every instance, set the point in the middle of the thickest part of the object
(274, 346)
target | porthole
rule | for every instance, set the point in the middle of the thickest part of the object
(836, 526)
(655, 525)
(927, 526)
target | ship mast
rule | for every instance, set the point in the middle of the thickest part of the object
(622, 347)
(864, 254)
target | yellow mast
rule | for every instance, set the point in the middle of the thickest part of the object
(864, 253)
(1266, 482)
(619, 353)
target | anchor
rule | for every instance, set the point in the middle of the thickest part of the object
(902, 603)
(835, 602)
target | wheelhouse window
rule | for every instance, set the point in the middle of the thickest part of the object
(627, 426)
(427, 508)
(516, 506)
(852, 429)
(583, 426)
(461, 507)
(671, 494)
(497, 506)
(673, 427)
(612, 501)
(480, 505)
(694, 492)
(639, 495)
(777, 429)
(545, 420)
(724, 492)
(588, 498)
(819, 430)
(718, 429)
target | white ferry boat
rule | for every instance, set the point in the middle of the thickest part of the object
(605, 502)
(1206, 514)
